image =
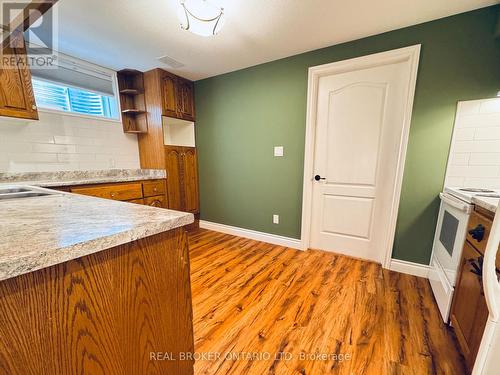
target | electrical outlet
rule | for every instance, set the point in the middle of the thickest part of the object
(278, 151)
(276, 219)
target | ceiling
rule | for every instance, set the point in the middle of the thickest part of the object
(134, 33)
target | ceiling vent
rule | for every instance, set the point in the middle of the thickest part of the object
(167, 60)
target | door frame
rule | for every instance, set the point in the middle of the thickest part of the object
(409, 54)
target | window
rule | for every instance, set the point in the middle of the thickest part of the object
(69, 99)
(76, 86)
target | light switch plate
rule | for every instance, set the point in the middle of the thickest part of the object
(276, 219)
(278, 151)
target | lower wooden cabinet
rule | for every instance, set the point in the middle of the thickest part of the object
(105, 313)
(159, 201)
(150, 192)
(119, 192)
(182, 178)
(469, 311)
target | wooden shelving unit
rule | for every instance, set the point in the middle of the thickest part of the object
(132, 101)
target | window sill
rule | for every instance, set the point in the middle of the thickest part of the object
(80, 115)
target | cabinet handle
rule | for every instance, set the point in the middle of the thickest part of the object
(478, 232)
(477, 267)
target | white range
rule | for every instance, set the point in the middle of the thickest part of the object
(456, 207)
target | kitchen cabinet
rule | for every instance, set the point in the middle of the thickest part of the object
(178, 97)
(150, 192)
(185, 102)
(104, 313)
(119, 192)
(158, 201)
(469, 311)
(182, 182)
(16, 91)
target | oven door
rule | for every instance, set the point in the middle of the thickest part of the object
(450, 234)
(447, 250)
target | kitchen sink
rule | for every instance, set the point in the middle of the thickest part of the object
(23, 192)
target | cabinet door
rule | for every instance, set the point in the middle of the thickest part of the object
(158, 201)
(190, 186)
(173, 161)
(16, 91)
(469, 311)
(186, 99)
(170, 95)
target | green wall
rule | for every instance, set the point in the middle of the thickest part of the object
(243, 114)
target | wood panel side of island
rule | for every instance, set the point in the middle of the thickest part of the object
(109, 313)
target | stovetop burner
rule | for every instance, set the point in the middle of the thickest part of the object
(477, 190)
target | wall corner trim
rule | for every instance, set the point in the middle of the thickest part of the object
(409, 268)
(252, 234)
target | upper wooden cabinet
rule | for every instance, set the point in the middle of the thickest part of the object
(16, 91)
(178, 97)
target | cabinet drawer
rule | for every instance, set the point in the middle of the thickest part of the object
(153, 188)
(158, 201)
(136, 201)
(122, 192)
(478, 223)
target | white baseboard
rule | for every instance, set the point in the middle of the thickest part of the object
(252, 234)
(410, 268)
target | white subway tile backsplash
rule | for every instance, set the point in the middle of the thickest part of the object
(6, 146)
(485, 158)
(473, 171)
(490, 106)
(488, 183)
(455, 181)
(465, 134)
(459, 159)
(70, 140)
(470, 107)
(60, 142)
(487, 133)
(475, 162)
(463, 146)
(485, 146)
(33, 157)
(76, 157)
(52, 148)
(479, 121)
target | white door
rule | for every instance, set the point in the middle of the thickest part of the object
(359, 131)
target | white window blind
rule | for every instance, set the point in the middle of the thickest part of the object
(76, 86)
(54, 96)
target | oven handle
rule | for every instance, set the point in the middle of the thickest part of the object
(462, 206)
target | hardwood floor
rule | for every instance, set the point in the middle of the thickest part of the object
(266, 309)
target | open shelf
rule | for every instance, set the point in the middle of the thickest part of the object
(131, 92)
(132, 101)
(132, 111)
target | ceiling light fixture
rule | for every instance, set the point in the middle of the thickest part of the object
(200, 17)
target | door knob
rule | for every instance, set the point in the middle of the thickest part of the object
(318, 177)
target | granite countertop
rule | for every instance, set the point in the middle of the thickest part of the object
(490, 204)
(71, 178)
(39, 232)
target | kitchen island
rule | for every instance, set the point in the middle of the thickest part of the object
(93, 286)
